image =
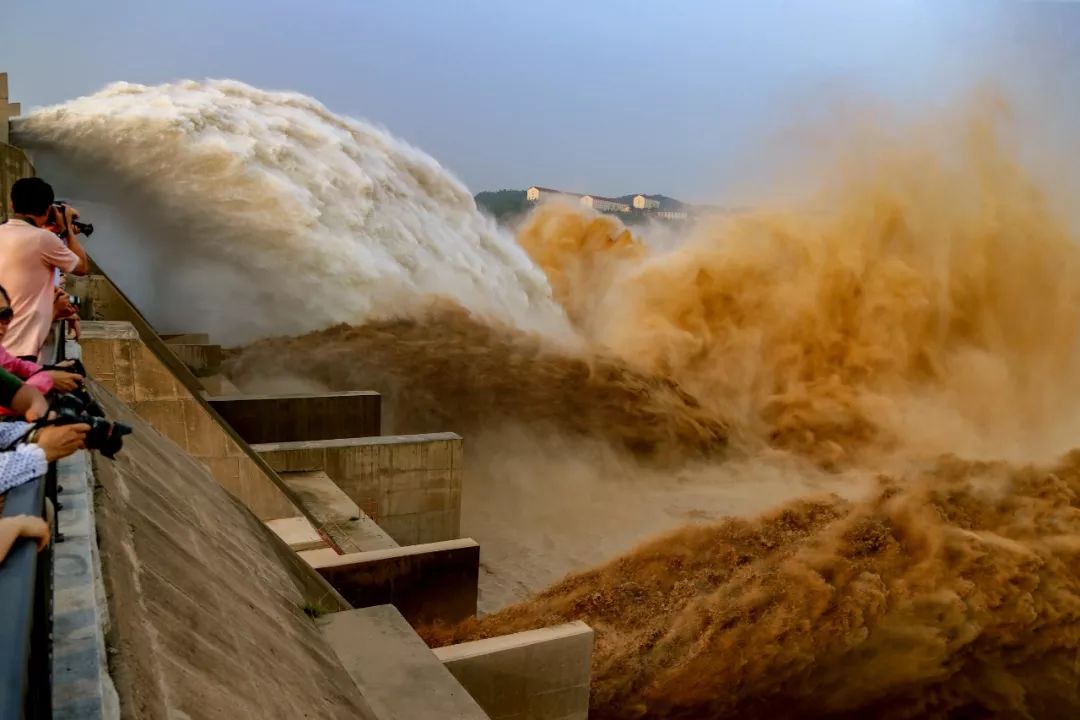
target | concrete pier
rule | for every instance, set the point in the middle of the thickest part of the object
(115, 355)
(409, 484)
(395, 671)
(8, 110)
(202, 360)
(534, 675)
(426, 583)
(301, 417)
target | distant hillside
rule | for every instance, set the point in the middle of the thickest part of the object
(501, 204)
(505, 204)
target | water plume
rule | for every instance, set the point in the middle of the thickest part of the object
(951, 592)
(264, 213)
(929, 301)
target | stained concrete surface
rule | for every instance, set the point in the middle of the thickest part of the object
(336, 515)
(115, 354)
(207, 603)
(298, 533)
(539, 674)
(242, 471)
(433, 582)
(409, 484)
(202, 360)
(13, 165)
(399, 674)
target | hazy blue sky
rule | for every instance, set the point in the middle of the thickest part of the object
(603, 97)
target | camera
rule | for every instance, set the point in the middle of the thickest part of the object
(86, 229)
(78, 407)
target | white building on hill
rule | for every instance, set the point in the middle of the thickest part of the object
(600, 204)
(672, 214)
(603, 204)
(537, 193)
(642, 202)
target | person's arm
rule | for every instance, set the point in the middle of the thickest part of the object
(31, 459)
(68, 255)
(28, 526)
(76, 247)
(21, 465)
(16, 366)
(24, 399)
(73, 243)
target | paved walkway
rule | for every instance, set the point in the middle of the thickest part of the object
(82, 689)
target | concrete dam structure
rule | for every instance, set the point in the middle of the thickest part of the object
(268, 556)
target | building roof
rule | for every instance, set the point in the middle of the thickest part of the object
(558, 192)
(616, 201)
(610, 200)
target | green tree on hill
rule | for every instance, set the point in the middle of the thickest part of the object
(502, 204)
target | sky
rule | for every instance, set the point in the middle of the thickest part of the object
(698, 100)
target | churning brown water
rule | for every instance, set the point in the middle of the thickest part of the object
(932, 311)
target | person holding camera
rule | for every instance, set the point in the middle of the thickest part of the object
(29, 256)
(45, 381)
(26, 448)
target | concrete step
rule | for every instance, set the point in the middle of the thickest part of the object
(298, 417)
(298, 533)
(540, 674)
(433, 582)
(396, 672)
(339, 518)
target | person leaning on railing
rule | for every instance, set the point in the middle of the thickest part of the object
(33, 374)
(25, 449)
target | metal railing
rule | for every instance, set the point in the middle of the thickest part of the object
(26, 614)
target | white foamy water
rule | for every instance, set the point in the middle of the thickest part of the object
(223, 208)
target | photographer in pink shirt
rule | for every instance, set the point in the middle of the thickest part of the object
(29, 256)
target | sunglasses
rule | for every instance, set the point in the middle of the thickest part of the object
(6, 313)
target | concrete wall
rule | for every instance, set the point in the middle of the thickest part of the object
(535, 675)
(208, 607)
(434, 582)
(394, 669)
(115, 356)
(8, 110)
(103, 301)
(409, 484)
(202, 359)
(13, 165)
(291, 418)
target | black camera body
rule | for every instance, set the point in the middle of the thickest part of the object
(78, 407)
(86, 229)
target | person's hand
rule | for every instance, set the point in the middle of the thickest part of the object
(59, 441)
(65, 381)
(70, 214)
(33, 527)
(30, 402)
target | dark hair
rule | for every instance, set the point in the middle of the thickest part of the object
(31, 196)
